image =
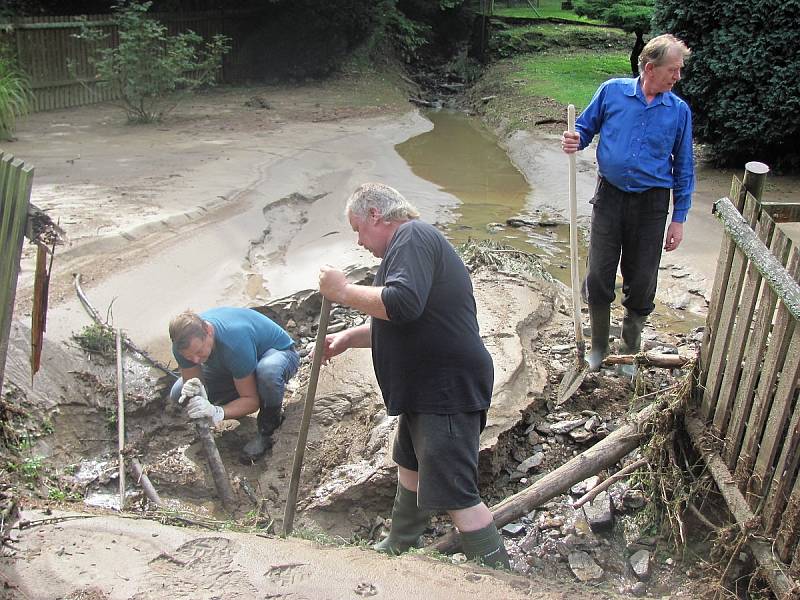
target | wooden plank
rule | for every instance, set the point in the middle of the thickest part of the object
(756, 348)
(736, 314)
(774, 571)
(785, 470)
(773, 360)
(754, 179)
(724, 262)
(16, 198)
(782, 212)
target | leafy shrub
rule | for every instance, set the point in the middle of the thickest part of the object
(743, 88)
(149, 69)
(15, 96)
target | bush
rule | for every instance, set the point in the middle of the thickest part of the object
(743, 88)
(150, 70)
(15, 97)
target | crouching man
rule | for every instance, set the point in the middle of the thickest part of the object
(431, 365)
(235, 361)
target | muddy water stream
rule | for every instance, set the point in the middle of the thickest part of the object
(461, 156)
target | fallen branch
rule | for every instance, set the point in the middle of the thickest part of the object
(602, 455)
(606, 483)
(143, 480)
(127, 343)
(648, 359)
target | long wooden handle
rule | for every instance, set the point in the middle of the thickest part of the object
(573, 240)
(311, 390)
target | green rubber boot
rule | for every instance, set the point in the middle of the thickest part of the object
(600, 319)
(632, 326)
(408, 523)
(486, 547)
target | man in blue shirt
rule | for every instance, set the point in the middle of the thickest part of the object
(243, 359)
(645, 150)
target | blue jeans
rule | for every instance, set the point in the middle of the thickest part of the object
(274, 369)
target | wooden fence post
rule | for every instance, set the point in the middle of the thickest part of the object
(15, 193)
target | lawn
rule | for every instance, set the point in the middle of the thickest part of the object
(569, 78)
(545, 9)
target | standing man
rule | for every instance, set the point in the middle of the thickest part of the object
(244, 360)
(645, 150)
(431, 366)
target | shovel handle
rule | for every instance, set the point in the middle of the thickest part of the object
(573, 239)
(311, 390)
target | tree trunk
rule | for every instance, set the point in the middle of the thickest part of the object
(638, 45)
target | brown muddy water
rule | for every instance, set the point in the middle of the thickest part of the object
(462, 157)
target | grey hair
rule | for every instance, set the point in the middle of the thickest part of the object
(657, 50)
(388, 201)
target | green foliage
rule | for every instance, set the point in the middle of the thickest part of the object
(511, 41)
(407, 36)
(30, 468)
(629, 15)
(15, 96)
(743, 88)
(149, 69)
(98, 340)
(546, 9)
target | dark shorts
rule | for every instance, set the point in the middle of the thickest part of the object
(443, 450)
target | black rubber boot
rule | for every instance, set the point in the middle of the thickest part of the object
(408, 523)
(632, 326)
(486, 547)
(269, 419)
(600, 319)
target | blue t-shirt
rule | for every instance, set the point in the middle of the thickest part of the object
(241, 337)
(641, 146)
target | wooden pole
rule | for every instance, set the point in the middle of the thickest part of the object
(120, 420)
(648, 359)
(602, 455)
(143, 480)
(218, 472)
(311, 390)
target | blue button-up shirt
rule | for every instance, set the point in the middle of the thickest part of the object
(641, 145)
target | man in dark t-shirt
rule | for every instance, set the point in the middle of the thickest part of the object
(430, 363)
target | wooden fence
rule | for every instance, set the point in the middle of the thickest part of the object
(15, 193)
(747, 384)
(45, 46)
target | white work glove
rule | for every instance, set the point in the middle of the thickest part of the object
(193, 387)
(199, 408)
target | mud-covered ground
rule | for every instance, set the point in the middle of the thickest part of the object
(237, 199)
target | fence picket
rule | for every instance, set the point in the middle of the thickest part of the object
(739, 315)
(756, 348)
(785, 469)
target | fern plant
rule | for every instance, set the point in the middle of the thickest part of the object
(16, 97)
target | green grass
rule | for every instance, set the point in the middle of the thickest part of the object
(546, 9)
(569, 78)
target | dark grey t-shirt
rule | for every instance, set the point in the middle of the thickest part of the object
(429, 356)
